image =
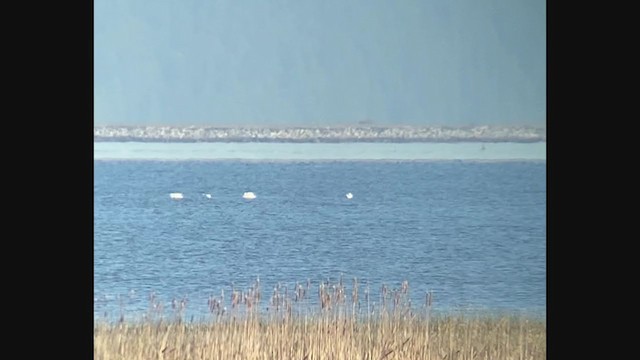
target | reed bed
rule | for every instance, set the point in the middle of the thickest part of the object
(341, 327)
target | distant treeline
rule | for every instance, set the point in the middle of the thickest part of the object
(319, 134)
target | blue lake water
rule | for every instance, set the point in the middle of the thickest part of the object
(320, 151)
(473, 232)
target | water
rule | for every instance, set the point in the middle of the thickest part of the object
(320, 151)
(473, 232)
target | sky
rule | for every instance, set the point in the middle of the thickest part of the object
(320, 62)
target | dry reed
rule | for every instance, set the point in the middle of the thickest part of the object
(339, 329)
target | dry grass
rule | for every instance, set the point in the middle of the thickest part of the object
(336, 331)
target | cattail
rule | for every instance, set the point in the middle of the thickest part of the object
(383, 294)
(212, 303)
(366, 297)
(275, 298)
(287, 306)
(396, 298)
(257, 289)
(428, 299)
(354, 292)
(235, 299)
(286, 294)
(299, 292)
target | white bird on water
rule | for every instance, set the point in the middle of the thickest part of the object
(249, 195)
(349, 196)
(176, 196)
(208, 196)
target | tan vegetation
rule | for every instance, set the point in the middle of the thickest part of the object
(338, 330)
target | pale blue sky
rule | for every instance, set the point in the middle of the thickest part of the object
(320, 62)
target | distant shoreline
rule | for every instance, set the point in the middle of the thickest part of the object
(375, 134)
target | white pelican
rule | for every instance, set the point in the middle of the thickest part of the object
(349, 196)
(249, 195)
(176, 196)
